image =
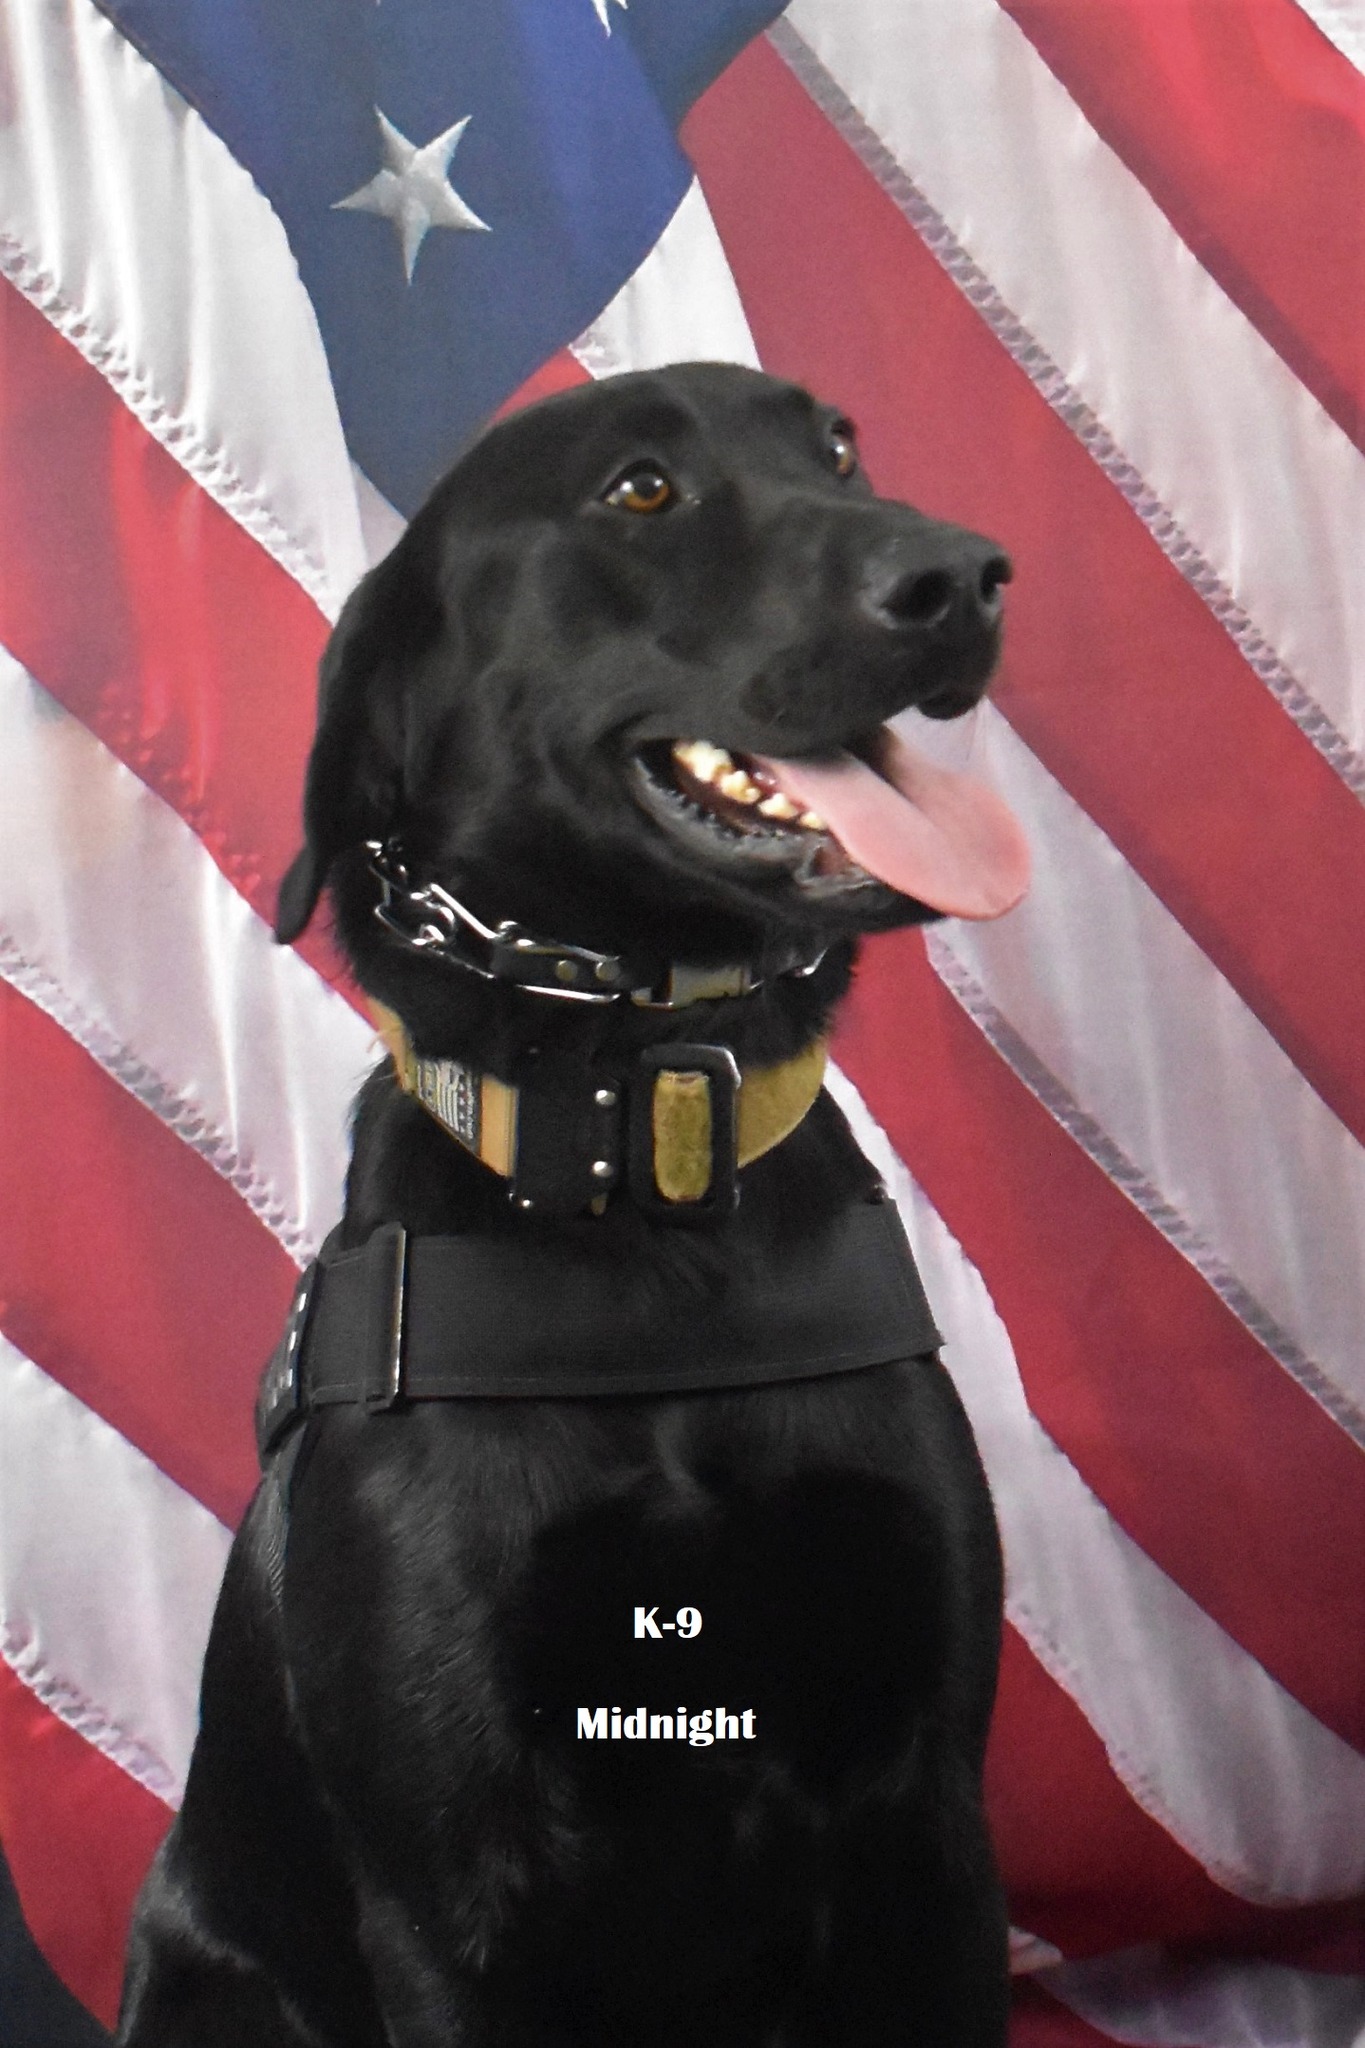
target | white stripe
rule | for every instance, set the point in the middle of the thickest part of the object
(1145, 1997)
(114, 918)
(108, 1575)
(1229, 446)
(1343, 23)
(381, 524)
(1270, 1802)
(1029, 1952)
(128, 223)
(681, 305)
(1114, 1000)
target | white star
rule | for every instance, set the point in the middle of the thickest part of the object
(413, 190)
(602, 14)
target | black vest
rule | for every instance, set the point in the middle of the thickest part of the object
(450, 1318)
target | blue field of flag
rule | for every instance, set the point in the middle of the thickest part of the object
(465, 183)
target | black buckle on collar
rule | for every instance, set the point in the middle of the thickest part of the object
(721, 1069)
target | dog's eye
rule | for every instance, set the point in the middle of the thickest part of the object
(642, 489)
(843, 448)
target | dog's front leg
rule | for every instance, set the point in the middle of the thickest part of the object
(918, 1943)
(430, 2001)
(244, 1932)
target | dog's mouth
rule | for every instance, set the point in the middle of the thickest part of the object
(872, 813)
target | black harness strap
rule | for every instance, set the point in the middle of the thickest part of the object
(448, 1318)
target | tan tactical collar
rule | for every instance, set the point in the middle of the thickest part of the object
(674, 1126)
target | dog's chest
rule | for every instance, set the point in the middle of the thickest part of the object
(805, 1606)
(580, 1582)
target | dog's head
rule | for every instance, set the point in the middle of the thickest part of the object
(633, 662)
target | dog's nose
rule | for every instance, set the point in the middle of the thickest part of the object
(959, 581)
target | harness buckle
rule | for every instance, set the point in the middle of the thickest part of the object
(387, 1381)
(684, 1133)
(280, 1398)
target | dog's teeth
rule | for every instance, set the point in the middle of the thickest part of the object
(779, 805)
(701, 759)
(813, 822)
(738, 786)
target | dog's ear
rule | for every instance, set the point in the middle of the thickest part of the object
(355, 771)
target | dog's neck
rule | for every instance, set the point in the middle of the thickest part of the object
(472, 1050)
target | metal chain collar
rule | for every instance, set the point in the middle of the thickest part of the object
(430, 919)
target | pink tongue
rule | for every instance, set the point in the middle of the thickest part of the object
(943, 838)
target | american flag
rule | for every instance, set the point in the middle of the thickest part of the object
(1091, 278)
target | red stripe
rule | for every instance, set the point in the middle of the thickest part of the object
(1038, 2021)
(79, 1835)
(563, 372)
(1327, 1940)
(1248, 129)
(1117, 674)
(1213, 1459)
(151, 614)
(129, 1269)
(1090, 1871)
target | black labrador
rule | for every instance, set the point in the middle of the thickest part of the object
(607, 1656)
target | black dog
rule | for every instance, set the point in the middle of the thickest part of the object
(607, 1657)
